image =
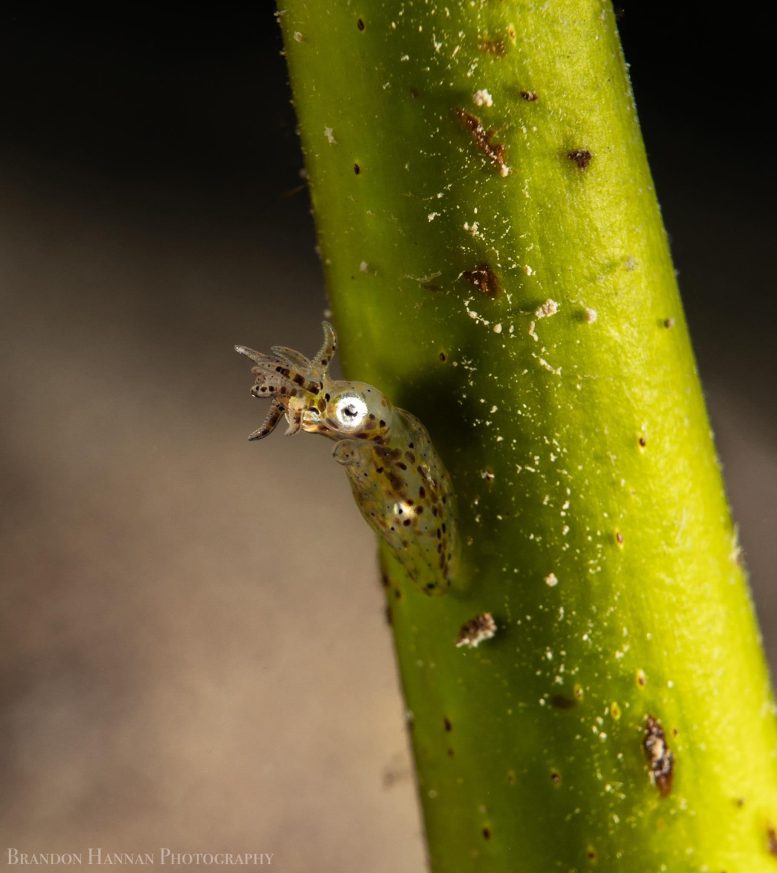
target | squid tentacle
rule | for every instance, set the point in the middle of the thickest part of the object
(274, 415)
(292, 357)
(324, 356)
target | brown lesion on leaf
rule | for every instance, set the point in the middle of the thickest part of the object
(484, 140)
(529, 96)
(659, 755)
(484, 279)
(580, 157)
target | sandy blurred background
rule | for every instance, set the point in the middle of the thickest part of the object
(192, 646)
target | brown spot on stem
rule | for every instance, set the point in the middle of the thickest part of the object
(475, 631)
(529, 96)
(581, 157)
(668, 322)
(360, 24)
(484, 140)
(484, 279)
(496, 47)
(642, 442)
(660, 757)
(443, 357)
(562, 702)
(357, 169)
(486, 833)
(555, 777)
(771, 838)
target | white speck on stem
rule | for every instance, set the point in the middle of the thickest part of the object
(482, 97)
(431, 216)
(297, 36)
(555, 370)
(364, 267)
(329, 134)
(590, 315)
(533, 332)
(547, 309)
(551, 580)
(497, 328)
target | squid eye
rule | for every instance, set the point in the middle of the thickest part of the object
(350, 410)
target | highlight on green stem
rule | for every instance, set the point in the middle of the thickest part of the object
(591, 692)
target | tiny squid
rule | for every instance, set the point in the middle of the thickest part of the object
(399, 482)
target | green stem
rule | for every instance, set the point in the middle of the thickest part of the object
(498, 266)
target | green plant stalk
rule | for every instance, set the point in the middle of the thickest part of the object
(592, 511)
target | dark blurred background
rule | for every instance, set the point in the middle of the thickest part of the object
(186, 660)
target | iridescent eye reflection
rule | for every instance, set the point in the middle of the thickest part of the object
(351, 410)
(398, 480)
